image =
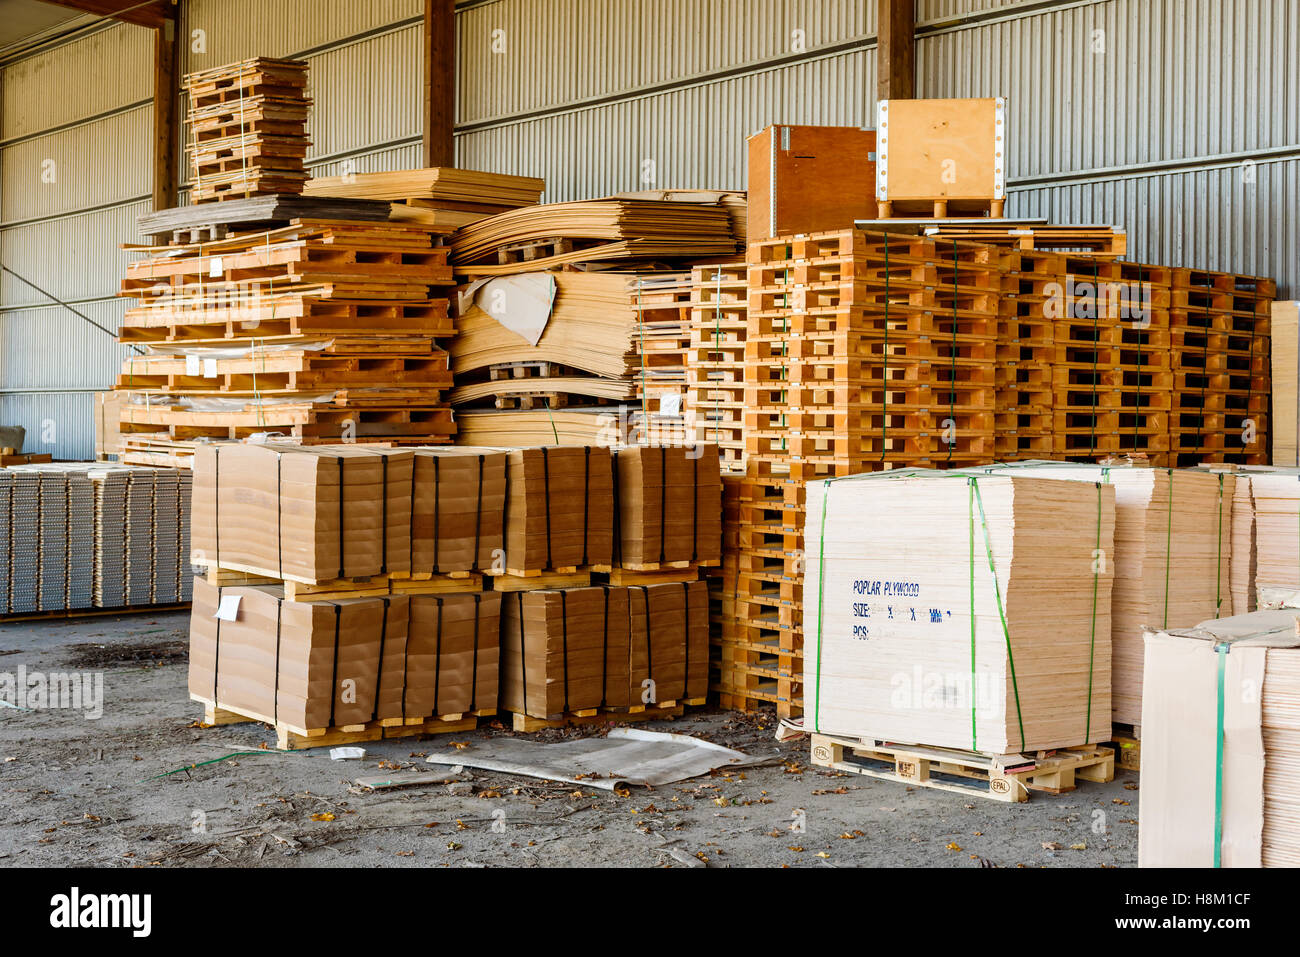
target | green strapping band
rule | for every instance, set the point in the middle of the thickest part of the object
(1092, 638)
(1169, 536)
(821, 604)
(1218, 762)
(970, 519)
(997, 594)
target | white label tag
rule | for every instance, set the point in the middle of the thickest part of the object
(215, 268)
(209, 368)
(670, 403)
(192, 364)
(228, 610)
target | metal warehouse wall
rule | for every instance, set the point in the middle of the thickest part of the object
(1179, 119)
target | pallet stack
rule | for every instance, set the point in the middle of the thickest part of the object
(1025, 400)
(320, 332)
(715, 367)
(1220, 332)
(247, 124)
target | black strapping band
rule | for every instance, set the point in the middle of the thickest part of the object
(686, 668)
(342, 564)
(379, 675)
(546, 488)
(604, 654)
(586, 497)
(275, 712)
(473, 681)
(383, 555)
(618, 522)
(478, 518)
(334, 680)
(564, 643)
(663, 501)
(437, 658)
(523, 653)
(216, 652)
(437, 510)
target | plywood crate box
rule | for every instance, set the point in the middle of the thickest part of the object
(941, 158)
(807, 179)
(1221, 744)
(959, 611)
(1285, 377)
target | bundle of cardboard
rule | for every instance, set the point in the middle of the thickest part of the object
(574, 649)
(1221, 744)
(669, 505)
(349, 662)
(959, 611)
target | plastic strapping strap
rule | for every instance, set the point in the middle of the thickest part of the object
(1218, 758)
(1092, 636)
(437, 657)
(546, 489)
(216, 652)
(821, 601)
(334, 677)
(618, 522)
(564, 643)
(1169, 537)
(523, 654)
(473, 681)
(604, 654)
(478, 516)
(1002, 617)
(686, 639)
(586, 498)
(406, 661)
(342, 564)
(649, 646)
(275, 705)
(383, 637)
(437, 511)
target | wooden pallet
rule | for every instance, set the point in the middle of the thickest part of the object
(570, 576)
(1007, 778)
(92, 612)
(289, 738)
(662, 711)
(1126, 739)
(229, 574)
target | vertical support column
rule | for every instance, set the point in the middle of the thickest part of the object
(166, 141)
(439, 115)
(896, 50)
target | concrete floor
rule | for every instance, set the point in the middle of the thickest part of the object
(79, 791)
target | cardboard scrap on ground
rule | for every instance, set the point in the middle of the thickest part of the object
(625, 757)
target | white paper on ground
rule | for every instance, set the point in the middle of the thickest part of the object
(228, 610)
(347, 754)
(626, 756)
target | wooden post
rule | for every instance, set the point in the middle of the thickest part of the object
(895, 50)
(166, 141)
(439, 82)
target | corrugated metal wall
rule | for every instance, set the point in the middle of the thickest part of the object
(1179, 119)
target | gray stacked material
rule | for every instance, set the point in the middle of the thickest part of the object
(81, 541)
(53, 546)
(184, 572)
(139, 537)
(24, 541)
(166, 539)
(110, 536)
(6, 492)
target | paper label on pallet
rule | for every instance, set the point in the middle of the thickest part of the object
(670, 403)
(215, 269)
(228, 610)
(192, 364)
(209, 368)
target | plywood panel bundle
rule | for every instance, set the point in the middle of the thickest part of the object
(1276, 497)
(1284, 359)
(1219, 323)
(110, 491)
(592, 231)
(439, 197)
(1173, 555)
(1111, 364)
(715, 365)
(735, 202)
(322, 331)
(247, 127)
(559, 510)
(669, 507)
(1221, 769)
(307, 515)
(960, 611)
(574, 650)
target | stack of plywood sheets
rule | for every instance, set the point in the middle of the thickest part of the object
(1285, 359)
(959, 611)
(592, 231)
(321, 331)
(1172, 557)
(1221, 769)
(247, 126)
(669, 507)
(440, 198)
(1276, 498)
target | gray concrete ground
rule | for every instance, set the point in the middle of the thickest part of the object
(75, 791)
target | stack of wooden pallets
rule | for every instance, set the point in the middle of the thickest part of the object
(715, 367)
(1026, 338)
(1219, 326)
(320, 331)
(248, 129)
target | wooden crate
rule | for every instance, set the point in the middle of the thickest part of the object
(805, 179)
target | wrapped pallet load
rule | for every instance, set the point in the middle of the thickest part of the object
(1173, 551)
(1221, 744)
(303, 513)
(959, 611)
(669, 505)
